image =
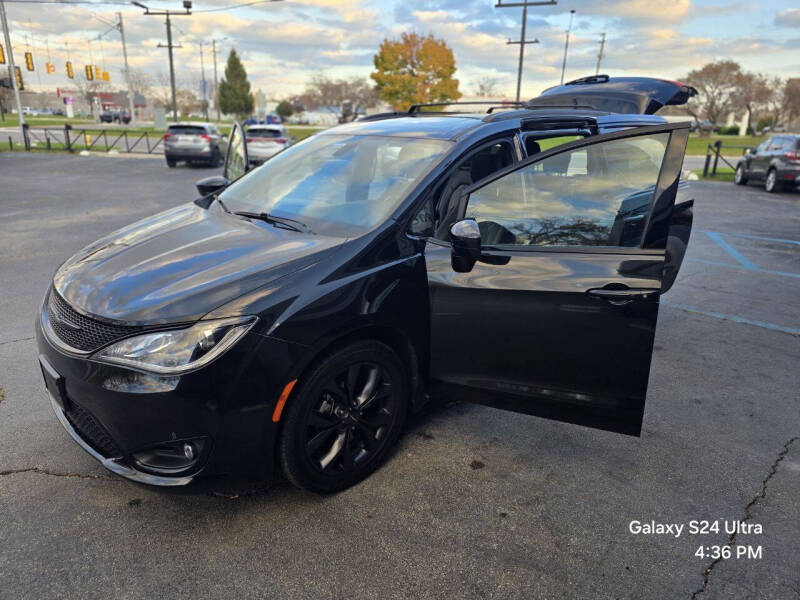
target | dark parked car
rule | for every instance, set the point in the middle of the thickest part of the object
(193, 143)
(297, 313)
(775, 161)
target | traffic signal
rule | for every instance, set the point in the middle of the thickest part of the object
(105, 76)
(89, 72)
(2, 55)
(70, 72)
(50, 68)
(97, 73)
(20, 83)
(29, 61)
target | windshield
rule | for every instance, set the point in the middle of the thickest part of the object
(337, 184)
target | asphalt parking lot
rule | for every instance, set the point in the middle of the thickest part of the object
(476, 502)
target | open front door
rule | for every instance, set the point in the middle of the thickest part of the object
(557, 317)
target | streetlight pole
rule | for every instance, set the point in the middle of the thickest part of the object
(203, 77)
(187, 6)
(522, 41)
(566, 46)
(12, 71)
(216, 81)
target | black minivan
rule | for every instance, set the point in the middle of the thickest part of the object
(297, 312)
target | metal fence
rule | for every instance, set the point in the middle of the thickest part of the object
(714, 151)
(76, 139)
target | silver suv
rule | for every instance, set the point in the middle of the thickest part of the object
(194, 142)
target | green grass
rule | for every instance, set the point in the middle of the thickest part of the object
(698, 144)
(723, 174)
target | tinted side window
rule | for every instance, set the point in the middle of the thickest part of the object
(598, 195)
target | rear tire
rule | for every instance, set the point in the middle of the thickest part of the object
(740, 176)
(171, 163)
(771, 184)
(344, 418)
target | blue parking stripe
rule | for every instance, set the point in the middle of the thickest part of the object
(714, 263)
(717, 239)
(754, 237)
(735, 318)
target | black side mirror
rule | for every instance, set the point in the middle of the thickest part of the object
(212, 184)
(465, 239)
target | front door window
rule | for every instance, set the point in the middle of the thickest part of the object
(597, 195)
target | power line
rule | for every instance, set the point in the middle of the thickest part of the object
(224, 8)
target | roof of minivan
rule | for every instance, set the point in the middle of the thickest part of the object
(451, 126)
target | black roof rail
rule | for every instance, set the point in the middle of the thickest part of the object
(381, 116)
(559, 106)
(544, 123)
(415, 108)
(589, 79)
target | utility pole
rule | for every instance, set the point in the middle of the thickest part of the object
(600, 55)
(131, 92)
(522, 41)
(12, 71)
(566, 46)
(187, 6)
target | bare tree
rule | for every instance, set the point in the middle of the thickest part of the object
(753, 90)
(790, 99)
(716, 84)
(141, 82)
(486, 87)
(344, 97)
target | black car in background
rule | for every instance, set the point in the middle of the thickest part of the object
(295, 315)
(775, 161)
(109, 116)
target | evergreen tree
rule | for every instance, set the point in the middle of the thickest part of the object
(235, 97)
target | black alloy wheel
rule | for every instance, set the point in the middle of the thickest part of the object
(342, 423)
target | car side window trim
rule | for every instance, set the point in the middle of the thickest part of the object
(588, 141)
(664, 183)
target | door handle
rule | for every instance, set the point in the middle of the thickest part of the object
(621, 296)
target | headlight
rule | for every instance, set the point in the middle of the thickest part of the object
(179, 350)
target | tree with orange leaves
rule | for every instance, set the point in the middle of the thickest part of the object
(414, 70)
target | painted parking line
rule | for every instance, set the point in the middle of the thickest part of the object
(742, 263)
(759, 270)
(732, 252)
(735, 318)
(753, 237)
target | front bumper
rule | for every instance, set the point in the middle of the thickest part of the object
(228, 405)
(115, 465)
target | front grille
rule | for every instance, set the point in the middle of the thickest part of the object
(79, 331)
(91, 431)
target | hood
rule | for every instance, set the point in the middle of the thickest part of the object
(179, 265)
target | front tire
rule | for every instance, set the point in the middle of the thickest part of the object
(740, 176)
(771, 184)
(171, 163)
(348, 412)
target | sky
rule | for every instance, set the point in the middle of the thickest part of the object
(284, 44)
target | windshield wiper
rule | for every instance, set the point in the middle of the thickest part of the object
(262, 216)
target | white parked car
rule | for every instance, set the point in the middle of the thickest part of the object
(264, 141)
